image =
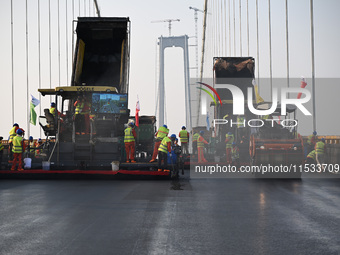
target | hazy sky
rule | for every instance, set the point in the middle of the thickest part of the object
(144, 36)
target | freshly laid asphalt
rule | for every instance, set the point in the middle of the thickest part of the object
(189, 216)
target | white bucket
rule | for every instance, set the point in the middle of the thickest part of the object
(27, 163)
(115, 165)
(46, 165)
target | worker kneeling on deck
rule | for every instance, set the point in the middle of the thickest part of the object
(18, 148)
(129, 140)
(311, 157)
(161, 133)
(163, 150)
(200, 147)
(320, 151)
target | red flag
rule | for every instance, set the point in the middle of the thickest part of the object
(137, 113)
(303, 85)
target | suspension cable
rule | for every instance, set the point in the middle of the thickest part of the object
(12, 57)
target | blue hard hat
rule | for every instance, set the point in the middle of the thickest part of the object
(202, 132)
(173, 136)
(314, 133)
(15, 124)
(30, 138)
(19, 132)
(323, 139)
(131, 124)
(39, 140)
(52, 104)
(183, 127)
(165, 126)
(234, 143)
(229, 133)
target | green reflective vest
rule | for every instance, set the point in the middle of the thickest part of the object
(79, 107)
(309, 139)
(17, 146)
(320, 148)
(52, 111)
(235, 153)
(128, 135)
(163, 147)
(12, 134)
(312, 154)
(162, 132)
(230, 142)
(195, 137)
(184, 136)
(1, 146)
(240, 122)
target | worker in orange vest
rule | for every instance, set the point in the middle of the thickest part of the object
(18, 149)
(38, 144)
(200, 147)
(160, 134)
(129, 141)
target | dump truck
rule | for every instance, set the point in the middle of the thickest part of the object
(266, 141)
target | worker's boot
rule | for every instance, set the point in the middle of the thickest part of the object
(133, 161)
(152, 160)
(20, 169)
(127, 161)
(160, 170)
(166, 170)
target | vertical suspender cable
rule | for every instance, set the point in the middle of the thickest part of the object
(72, 30)
(225, 27)
(257, 45)
(287, 44)
(229, 27)
(234, 16)
(270, 50)
(84, 8)
(202, 56)
(248, 26)
(66, 39)
(12, 57)
(79, 8)
(240, 27)
(49, 42)
(313, 61)
(221, 26)
(39, 52)
(27, 82)
(59, 42)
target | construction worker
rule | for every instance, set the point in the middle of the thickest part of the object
(129, 141)
(184, 138)
(200, 147)
(1, 151)
(311, 141)
(18, 148)
(240, 127)
(53, 111)
(163, 150)
(229, 139)
(235, 155)
(320, 151)
(12, 134)
(31, 145)
(86, 113)
(311, 157)
(79, 118)
(160, 134)
(194, 142)
(38, 144)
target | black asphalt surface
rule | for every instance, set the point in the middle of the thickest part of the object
(189, 216)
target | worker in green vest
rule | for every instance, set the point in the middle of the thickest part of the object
(311, 141)
(12, 134)
(320, 151)
(184, 138)
(163, 150)
(229, 139)
(79, 117)
(160, 134)
(311, 157)
(194, 142)
(18, 148)
(129, 141)
(1, 151)
(235, 155)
